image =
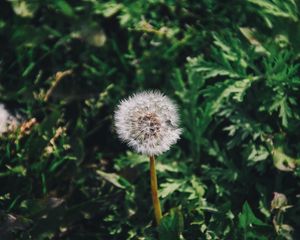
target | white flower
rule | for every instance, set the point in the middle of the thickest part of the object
(148, 122)
(7, 120)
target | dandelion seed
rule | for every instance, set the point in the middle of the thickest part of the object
(148, 122)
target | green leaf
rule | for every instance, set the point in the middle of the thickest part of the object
(168, 188)
(171, 225)
(64, 7)
(284, 112)
(257, 154)
(28, 69)
(18, 170)
(114, 179)
(286, 9)
(110, 9)
(247, 218)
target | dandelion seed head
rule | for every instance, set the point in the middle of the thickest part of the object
(148, 122)
(8, 121)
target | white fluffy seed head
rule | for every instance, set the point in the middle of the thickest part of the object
(148, 122)
(8, 121)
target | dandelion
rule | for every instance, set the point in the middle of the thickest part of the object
(8, 121)
(148, 122)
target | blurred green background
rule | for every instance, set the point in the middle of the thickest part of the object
(231, 66)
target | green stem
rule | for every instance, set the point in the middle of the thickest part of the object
(154, 192)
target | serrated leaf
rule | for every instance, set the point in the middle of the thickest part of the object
(168, 188)
(287, 9)
(284, 112)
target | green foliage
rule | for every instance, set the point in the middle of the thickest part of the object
(248, 222)
(171, 226)
(233, 69)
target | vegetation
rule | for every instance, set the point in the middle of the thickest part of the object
(231, 66)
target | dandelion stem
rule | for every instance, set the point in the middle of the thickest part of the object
(154, 192)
